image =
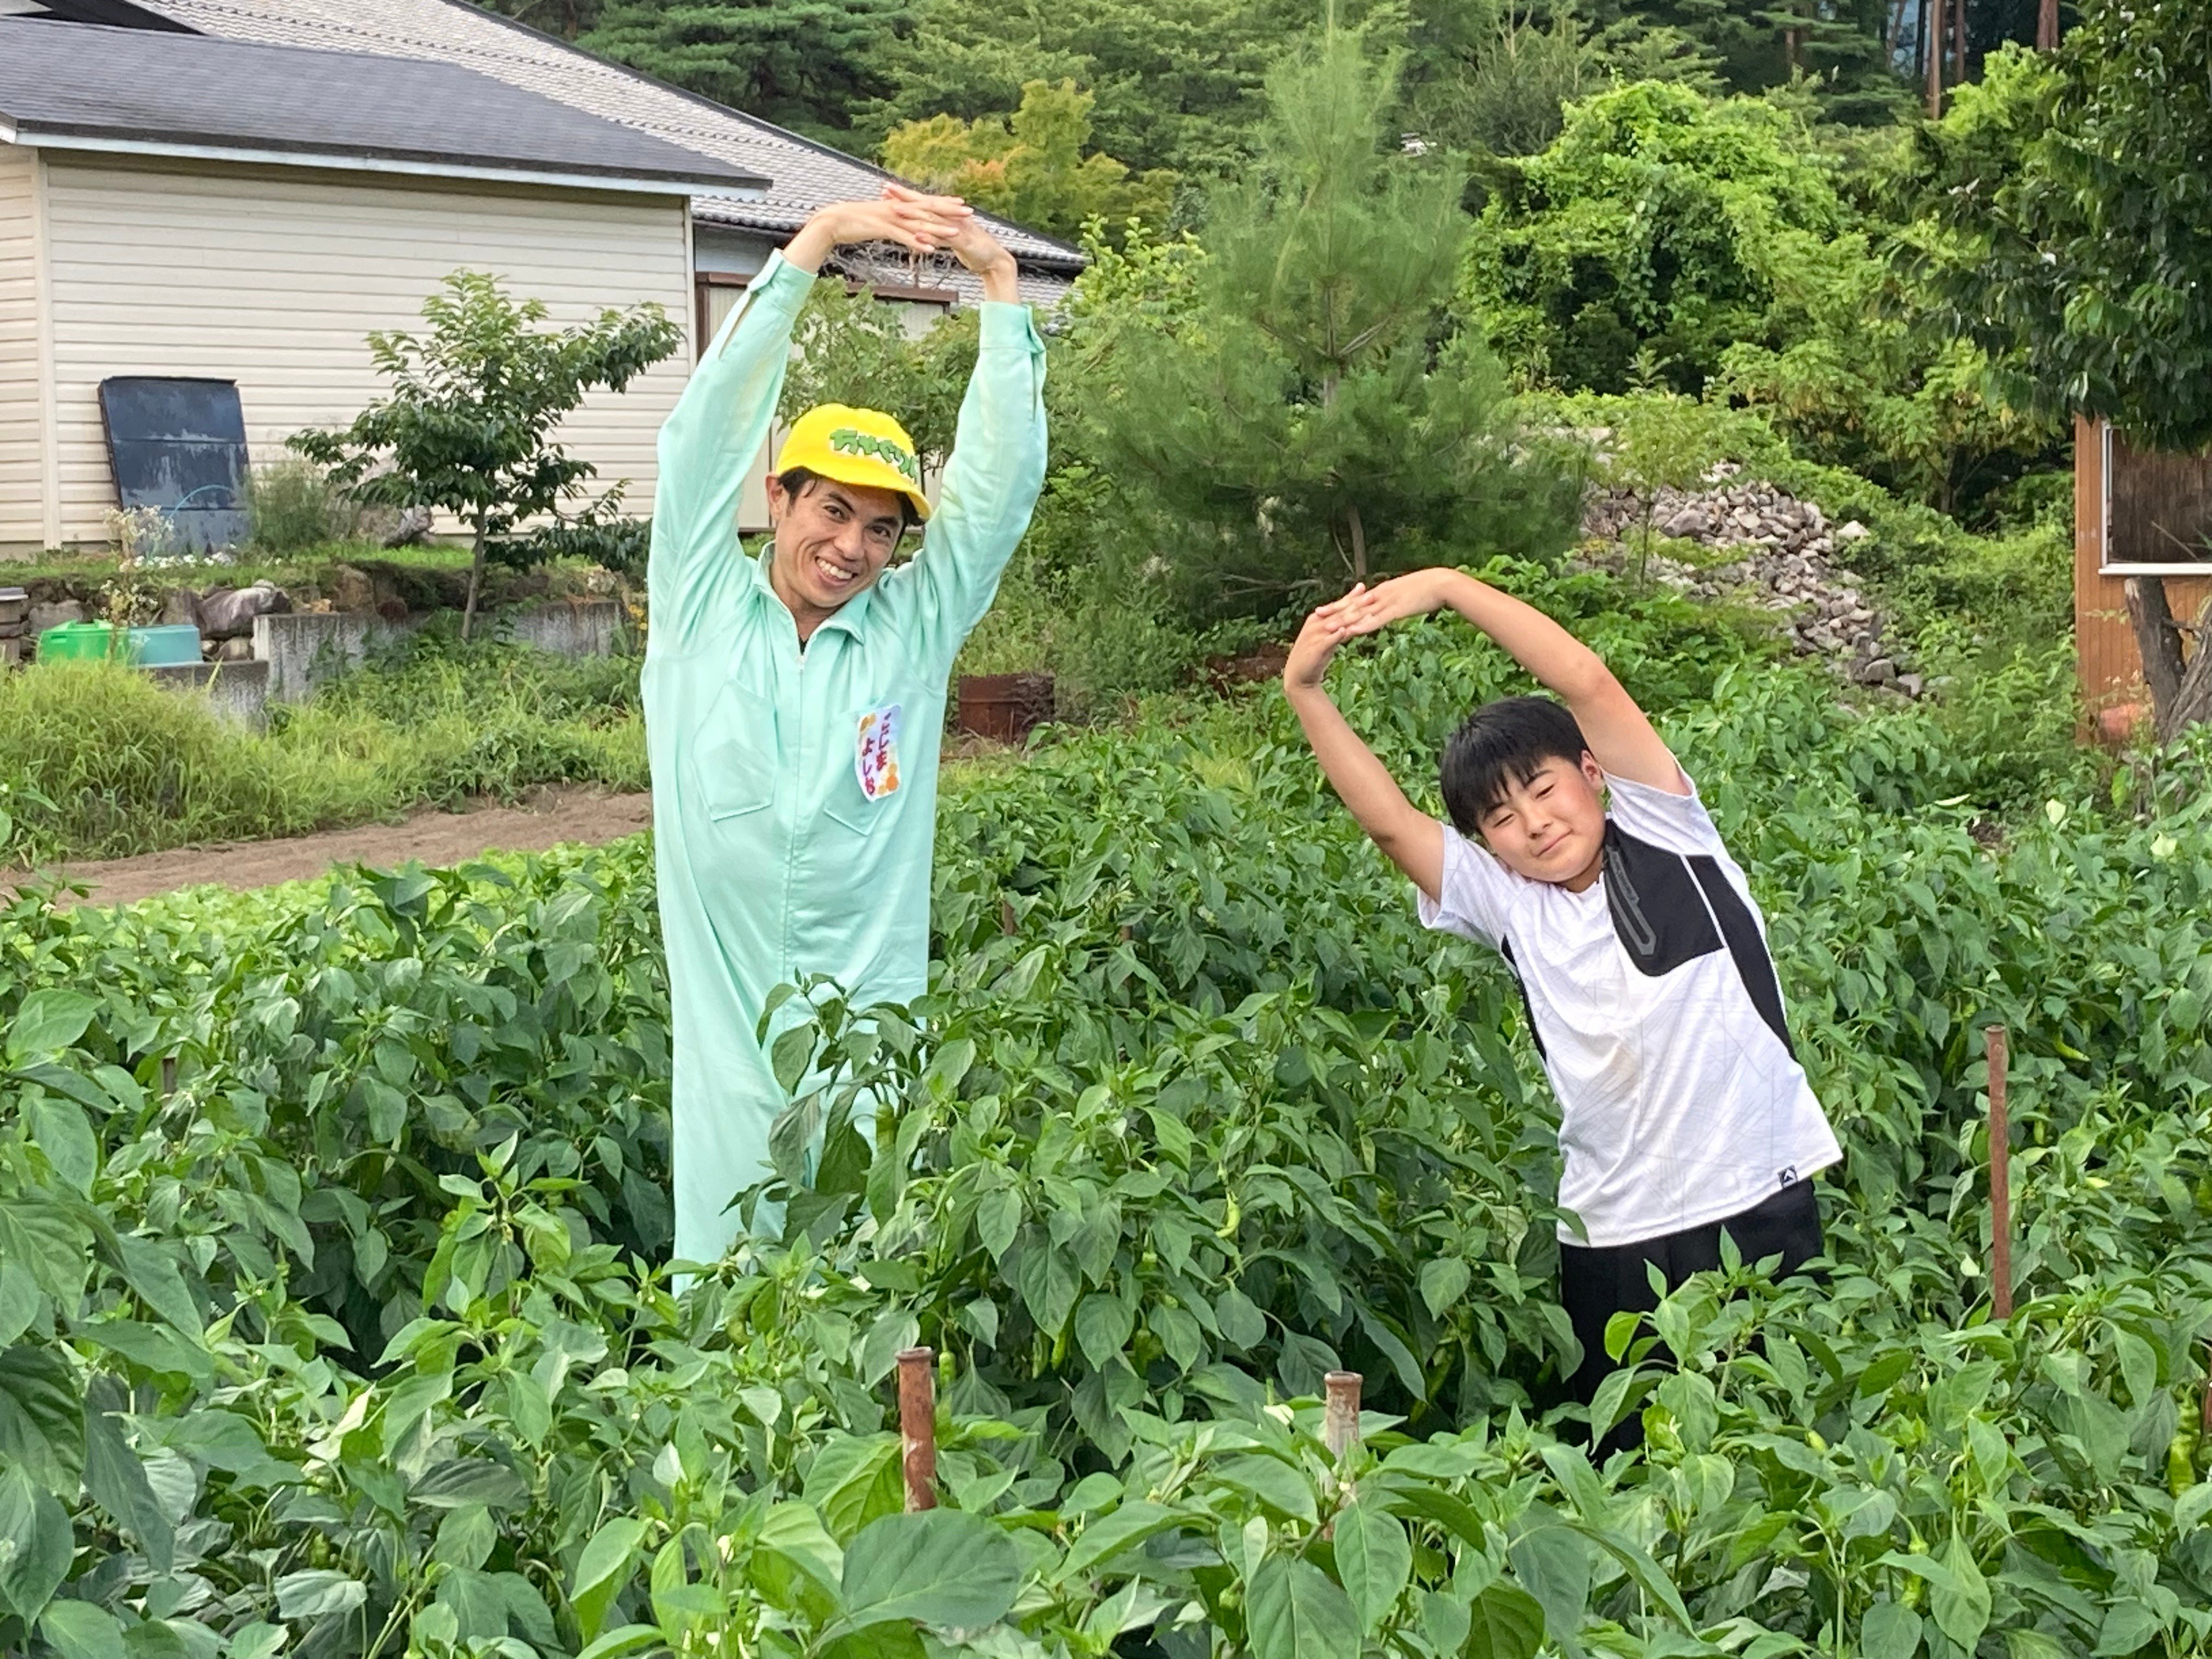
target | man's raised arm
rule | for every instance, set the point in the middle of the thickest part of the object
(722, 420)
(996, 469)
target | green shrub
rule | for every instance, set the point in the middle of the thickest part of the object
(331, 1226)
(446, 720)
(292, 506)
(1659, 222)
(100, 762)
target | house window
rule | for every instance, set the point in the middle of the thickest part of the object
(2158, 511)
(719, 293)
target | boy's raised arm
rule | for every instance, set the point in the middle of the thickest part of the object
(1619, 735)
(1411, 840)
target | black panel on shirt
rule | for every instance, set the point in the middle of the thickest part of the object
(1527, 1008)
(1658, 914)
(1744, 944)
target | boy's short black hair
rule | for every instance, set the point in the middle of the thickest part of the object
(796, 480)
(1500, 744)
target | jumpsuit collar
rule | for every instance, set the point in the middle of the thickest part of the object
(847, 618)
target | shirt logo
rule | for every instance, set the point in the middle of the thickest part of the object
(875, 754)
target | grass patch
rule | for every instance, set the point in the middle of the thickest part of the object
(98, 762)
(297, 566)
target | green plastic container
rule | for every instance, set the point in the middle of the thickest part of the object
(161, 647)
(86, 641)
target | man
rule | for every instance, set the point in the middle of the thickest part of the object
(794, 701)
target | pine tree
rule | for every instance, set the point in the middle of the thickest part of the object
(1315, 420)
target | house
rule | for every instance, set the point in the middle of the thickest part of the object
(734, 232)
(2136, 513)
(180, 206)
(276, 177)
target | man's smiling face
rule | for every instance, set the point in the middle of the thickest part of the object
(832, 541)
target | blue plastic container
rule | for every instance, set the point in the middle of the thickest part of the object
(169, 646)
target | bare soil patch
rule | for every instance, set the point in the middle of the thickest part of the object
(550, 818)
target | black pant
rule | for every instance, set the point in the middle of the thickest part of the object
(1596, 1284)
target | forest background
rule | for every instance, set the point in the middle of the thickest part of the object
(1469, 228)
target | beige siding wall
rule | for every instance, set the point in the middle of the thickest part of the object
(272, 277)
(22, 505)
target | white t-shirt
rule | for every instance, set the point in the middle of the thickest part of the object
(1659, 1017)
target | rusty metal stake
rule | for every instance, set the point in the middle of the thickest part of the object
(169, 1074)
(2000, 1175)
(1340, 1430)
(917, 1393)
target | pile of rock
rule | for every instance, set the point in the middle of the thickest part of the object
(1784, 559)
(224, 616)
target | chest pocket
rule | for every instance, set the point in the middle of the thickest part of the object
(735, 765)
(872, 744)
(1658, 912)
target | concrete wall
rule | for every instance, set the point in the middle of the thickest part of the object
(302, 650)
(235, 691)
(274, 276)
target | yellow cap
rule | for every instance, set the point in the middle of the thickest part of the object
(861, 446)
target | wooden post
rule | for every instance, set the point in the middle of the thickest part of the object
(2000, 1175)
(1340, 1430)
(1931, 49)
(917, 1395)
(168, 1074)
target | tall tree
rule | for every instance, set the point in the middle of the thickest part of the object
(1030, 167)
(2078, 207)
(566, 18)
(1835, 48)
(2076, 213)
(802, 64)
(1313, 420)
(1177, 81)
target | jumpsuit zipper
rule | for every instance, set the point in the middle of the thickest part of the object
(798, 771)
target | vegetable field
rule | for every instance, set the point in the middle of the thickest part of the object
(337, 1321)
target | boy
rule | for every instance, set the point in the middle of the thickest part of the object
(1642, 958)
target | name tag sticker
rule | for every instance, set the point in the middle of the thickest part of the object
(875, 755)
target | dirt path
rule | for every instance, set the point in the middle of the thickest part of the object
(433, 838)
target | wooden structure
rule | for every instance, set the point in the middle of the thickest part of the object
(2137, 513)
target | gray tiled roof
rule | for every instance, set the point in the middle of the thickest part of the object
(802, 175)
(88, 82)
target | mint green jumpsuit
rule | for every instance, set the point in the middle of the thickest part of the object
(774, 861)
